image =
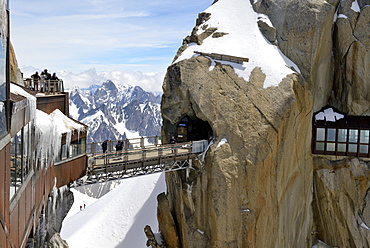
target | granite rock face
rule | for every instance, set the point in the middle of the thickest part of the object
(246, 172)
(259, 185)
(352, 58)
(341, 203)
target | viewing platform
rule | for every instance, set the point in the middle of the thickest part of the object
(45, 86)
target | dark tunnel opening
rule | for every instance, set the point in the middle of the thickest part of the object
(192, 129)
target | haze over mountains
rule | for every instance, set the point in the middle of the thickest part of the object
(151, 82)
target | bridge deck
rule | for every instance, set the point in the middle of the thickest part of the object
(149, 160)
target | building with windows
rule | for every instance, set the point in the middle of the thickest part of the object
(337, 134)
(41, 149)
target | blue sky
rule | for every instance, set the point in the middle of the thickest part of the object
(108, 35)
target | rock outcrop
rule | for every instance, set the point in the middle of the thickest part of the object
(352, 58)
(341, 204)
(259, 184)
(15, 73)
(47, 233)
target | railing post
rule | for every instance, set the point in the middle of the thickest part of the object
(110, 146)
(62, 84)
(106, 161)
(93, 148)
(142, 142)
(156, 141)
(174, 158)
(143, 155)
(127, 144)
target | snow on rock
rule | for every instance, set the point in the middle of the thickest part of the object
(355, 7)
(364, 226)
(329, 115)
(243, 39)
(118, 218)
(223, 141)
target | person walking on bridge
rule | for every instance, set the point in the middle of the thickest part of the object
(104, 146)
(119, 146)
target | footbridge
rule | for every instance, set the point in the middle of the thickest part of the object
(142, 160)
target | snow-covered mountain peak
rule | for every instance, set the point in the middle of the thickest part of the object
(115, 111)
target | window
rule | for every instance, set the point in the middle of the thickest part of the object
(342, 136)
(320, 134)
(74, 149)
(21, 158)
(331, 134)
(364, 136)
(364, 141)
(3, 96)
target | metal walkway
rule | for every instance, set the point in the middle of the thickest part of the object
(136, 162)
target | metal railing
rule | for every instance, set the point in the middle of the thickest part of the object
(146, 156)
(44, 86)
(128, 144)
(142, 161)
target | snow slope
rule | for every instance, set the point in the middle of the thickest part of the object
(118, 218)
(243, 39)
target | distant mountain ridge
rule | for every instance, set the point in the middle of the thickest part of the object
(116, 112)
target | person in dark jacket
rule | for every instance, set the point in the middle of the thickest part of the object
(54, 77)
(119, 146)
(104, 146)
(36, 78)
(47, 74)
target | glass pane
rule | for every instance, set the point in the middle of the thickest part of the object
(342, 135)
(353, 135)
(16, 164)
(364, 136)
(3, 124)
(330, 147)
(319, 146)
(331, 134)
(320, 134)
(352, 148)
(342, 147)
(364, 149)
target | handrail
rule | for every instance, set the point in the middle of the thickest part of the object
(129, 144)
(141, 155)
(142, 161)
(44, 86)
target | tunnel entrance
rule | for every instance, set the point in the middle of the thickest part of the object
(189, 129)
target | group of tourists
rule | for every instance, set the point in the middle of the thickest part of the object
(119, 146)
(41, 79)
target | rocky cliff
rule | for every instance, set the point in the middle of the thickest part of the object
(259, 185)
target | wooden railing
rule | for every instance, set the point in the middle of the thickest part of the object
(224, 57)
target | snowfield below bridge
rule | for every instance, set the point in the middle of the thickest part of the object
(113, 213)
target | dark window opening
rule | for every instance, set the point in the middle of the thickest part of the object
(189, 129)
(74, 149)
